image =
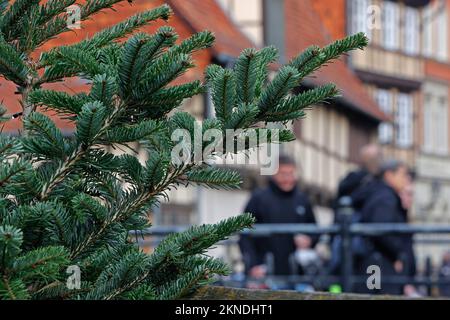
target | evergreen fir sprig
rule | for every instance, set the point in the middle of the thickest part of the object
(10, 170)
(73, 61)
(315, 58)
(108, 35)
(293, 106)
(12, 66)
(121, 29)
(267, 56)
(3, 6)
(241, 99)
(11, 18)
(93, 6)
(200, 275)
(285, 80)
(9, 147)
(197, 239)
(224, 92)
(299, 62)
(248, 140)
(52, 9)
(51, 142)
(246, 63)
(215, 178)
(41, 265)
(68, 201)
(58, 101)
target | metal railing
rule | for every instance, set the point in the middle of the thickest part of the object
(346, 230)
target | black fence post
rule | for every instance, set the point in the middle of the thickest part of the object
(345, 213)
(429, 274)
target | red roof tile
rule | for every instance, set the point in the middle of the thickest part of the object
(208, 15)
(304, 28)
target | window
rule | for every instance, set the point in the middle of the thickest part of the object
(428, 139)
(428, 31)
(441, 127)
(435, 31)
(391, 25)
(441, 34)
(404, 120)
(384, 100)
(411, 31)
(436, 124)
(359, 16)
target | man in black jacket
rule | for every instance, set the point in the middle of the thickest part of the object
(384, 205)
(280, 202)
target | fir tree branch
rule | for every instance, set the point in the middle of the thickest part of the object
(286, 79)
(303, 59)
(108, 35)
(93, 6)
(267, 55)
(223, 86)
(12, 66)
(53, 8)
(215, 178)
(245, 75)
(122, 213)
(72, 61)
(71, 201)
(313, 61)
(12, 16)
(3, 6)
(51, 142)
(12, 289)
(58, 101)
(10, 170)
(292, 107)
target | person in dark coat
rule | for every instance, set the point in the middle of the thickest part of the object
(357, 183)
(444, 274)
(408, 257)
(280, 202)
(389, 252)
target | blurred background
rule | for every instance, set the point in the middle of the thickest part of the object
(394, 93)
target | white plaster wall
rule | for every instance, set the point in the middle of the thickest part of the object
(216, 205)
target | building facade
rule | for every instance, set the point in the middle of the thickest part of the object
(433, 163)
(406, 69)
(329, 138)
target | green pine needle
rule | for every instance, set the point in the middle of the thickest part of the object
(215, 178)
